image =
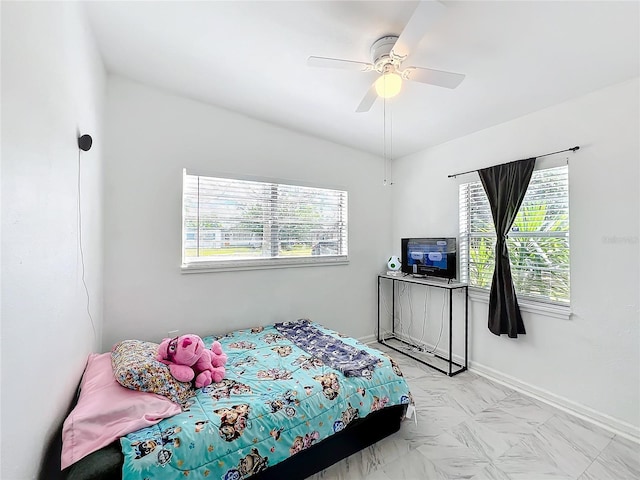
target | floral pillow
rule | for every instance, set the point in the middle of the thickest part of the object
(135, 366)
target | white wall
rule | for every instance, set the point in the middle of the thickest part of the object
(151, 137)
(590, 362)
(53, 85)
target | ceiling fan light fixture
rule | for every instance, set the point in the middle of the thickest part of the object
(388, 85)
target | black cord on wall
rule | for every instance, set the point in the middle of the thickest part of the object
(84, 144)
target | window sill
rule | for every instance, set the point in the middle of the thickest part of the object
(526, 305)
(262, 264)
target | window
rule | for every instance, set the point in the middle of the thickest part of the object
(538, 242)
(231, 223)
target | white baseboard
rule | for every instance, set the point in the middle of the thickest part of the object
(619, 427)
(368, 339)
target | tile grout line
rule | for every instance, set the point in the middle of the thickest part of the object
(596, 457)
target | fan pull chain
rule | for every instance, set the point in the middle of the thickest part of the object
(384, 139)
(390, 168)
(387, 154)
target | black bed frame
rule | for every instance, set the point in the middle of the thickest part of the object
(106, 463)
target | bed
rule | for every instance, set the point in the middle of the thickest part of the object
(296, 398)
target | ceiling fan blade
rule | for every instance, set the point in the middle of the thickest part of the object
(433, 77)
(368, 100)
(426, 14)
(326, 62)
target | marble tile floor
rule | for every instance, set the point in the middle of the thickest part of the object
(471, 428)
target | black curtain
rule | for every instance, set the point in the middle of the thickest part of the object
(505, 186)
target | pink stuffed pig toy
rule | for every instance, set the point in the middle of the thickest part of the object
(188, 359)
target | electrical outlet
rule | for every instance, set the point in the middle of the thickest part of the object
(173, 333)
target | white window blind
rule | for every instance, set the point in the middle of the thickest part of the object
(538, 241)
(231, 222)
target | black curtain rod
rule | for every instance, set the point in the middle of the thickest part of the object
(573, 149)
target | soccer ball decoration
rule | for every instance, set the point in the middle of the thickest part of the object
(394, 263)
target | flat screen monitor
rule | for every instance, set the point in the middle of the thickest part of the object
(434, 257)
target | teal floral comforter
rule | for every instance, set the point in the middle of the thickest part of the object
(275, 401)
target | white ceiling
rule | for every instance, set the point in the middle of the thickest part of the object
(250, 57)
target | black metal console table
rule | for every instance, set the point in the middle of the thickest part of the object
(427, 283)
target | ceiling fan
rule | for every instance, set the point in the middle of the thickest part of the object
(389, 52)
